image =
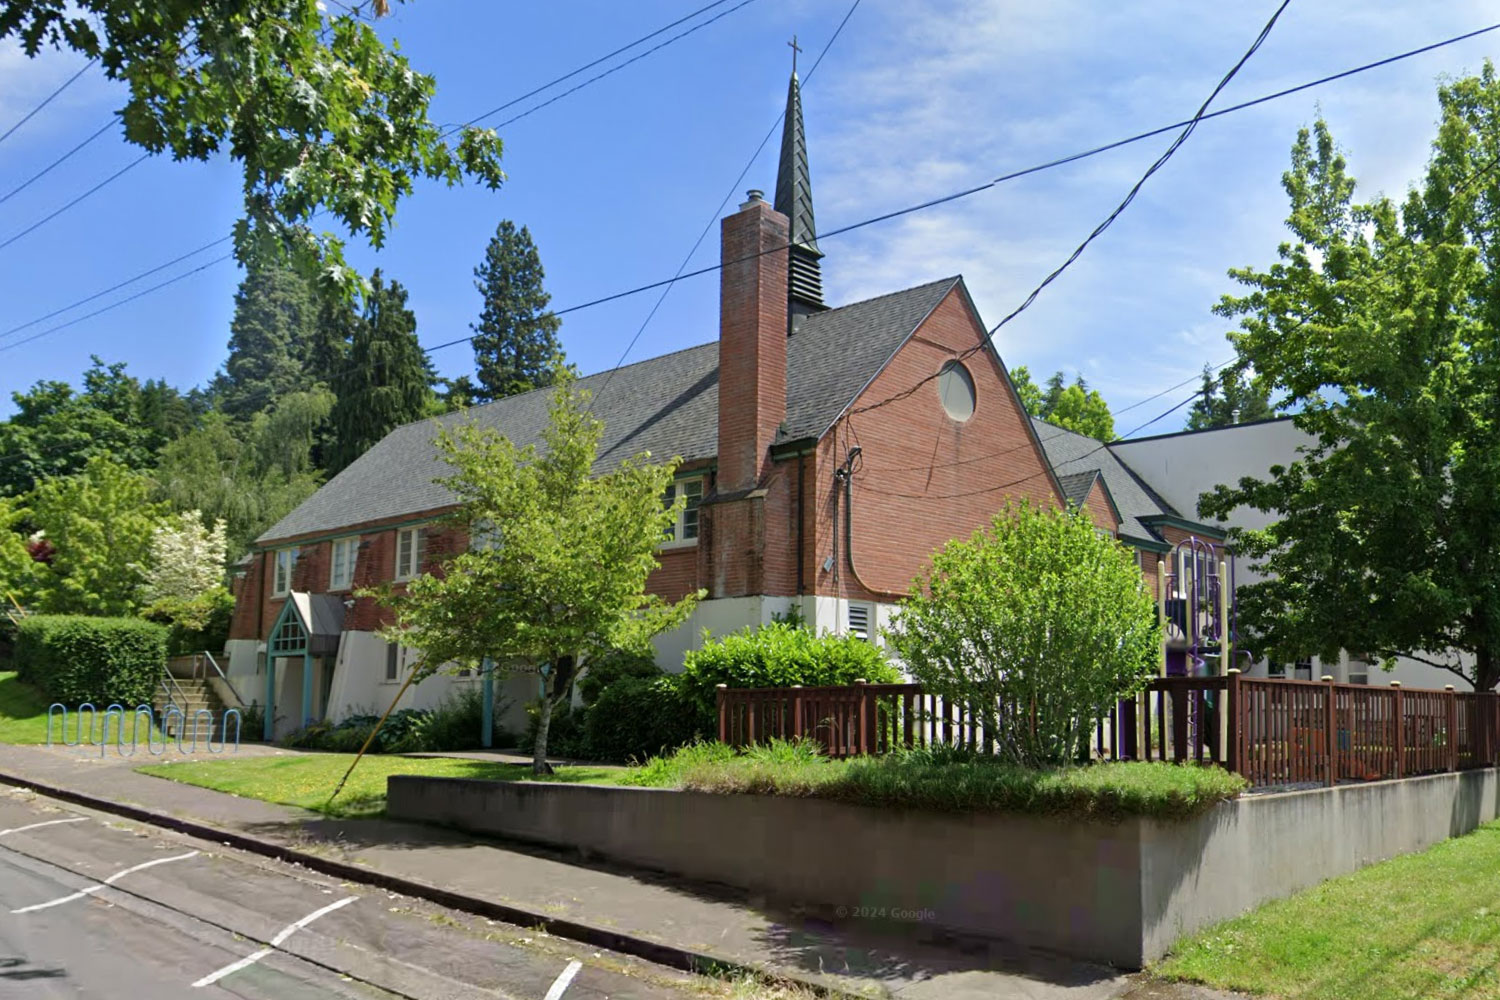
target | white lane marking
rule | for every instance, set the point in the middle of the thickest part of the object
(107, 882)
(36, 826)
(286, 932)
(563, 981)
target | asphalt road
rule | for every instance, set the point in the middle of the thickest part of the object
(92, 906)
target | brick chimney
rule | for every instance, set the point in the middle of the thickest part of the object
(753, 314)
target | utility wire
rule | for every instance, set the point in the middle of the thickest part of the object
(113, 288)
(114, 305)
(57, 162)
(59, 211)
(960, 194)
(590, 65)
(47, 100)
(1109, 220)
(487, 114)
(717, 212)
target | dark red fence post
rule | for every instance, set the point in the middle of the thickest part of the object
(796, 733)
(1398, 720)
(1450, 702)
(722, 692)
(1232, 736)
(1330, 728)
(863, 745)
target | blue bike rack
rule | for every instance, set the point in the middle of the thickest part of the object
(157, 739)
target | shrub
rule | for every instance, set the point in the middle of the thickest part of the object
(945, 780)
(635, 718)
(602, 671)
(75, 659)
(196, 624)
(780, 654)
(565, 736)
(452, 725)
(1038, 622)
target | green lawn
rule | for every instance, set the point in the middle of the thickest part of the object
(23, 711)
(306, 779)
(1423, 925)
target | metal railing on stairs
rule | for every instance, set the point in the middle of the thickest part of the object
(198, 666)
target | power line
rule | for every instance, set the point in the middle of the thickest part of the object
(55, 213)
(964, 193)
(1109, 220)
(114, 288)
(1046, 469)
(47, 100)
(590, 65)
(57, 162)
(116, 304)
(492, 111)
(717, 212)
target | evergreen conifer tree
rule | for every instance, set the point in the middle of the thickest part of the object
(516, 347)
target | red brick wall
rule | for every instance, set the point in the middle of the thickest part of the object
(925, 478)
(1101, 511)
(374, 564)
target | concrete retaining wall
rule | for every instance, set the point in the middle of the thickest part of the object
(1120, 893)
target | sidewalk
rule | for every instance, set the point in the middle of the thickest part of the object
(654, 917)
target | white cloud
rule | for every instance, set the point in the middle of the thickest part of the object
(953, 94)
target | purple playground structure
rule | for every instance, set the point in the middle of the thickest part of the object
(1196, 604)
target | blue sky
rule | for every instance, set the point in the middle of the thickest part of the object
(915, 100)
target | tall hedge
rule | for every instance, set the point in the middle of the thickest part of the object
(76, 659)
(780, 654)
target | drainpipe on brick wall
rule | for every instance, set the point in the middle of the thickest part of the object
(851, 465)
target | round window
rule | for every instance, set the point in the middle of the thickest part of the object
(956, 390)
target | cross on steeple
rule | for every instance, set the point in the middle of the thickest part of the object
(795, 49)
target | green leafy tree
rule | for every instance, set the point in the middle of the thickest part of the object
(1379, 330)
(99, 525)
(1073, 407)
(515, 341)
(184, 585)
(320, 115)
(274, 326)
(56, 430)
(247, 478)
(1038, 622)
(388, 381)
(1227, 400)
(566, 578)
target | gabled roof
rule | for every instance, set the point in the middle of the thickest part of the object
(1072, 454)
(1077, 486)
(668, 405)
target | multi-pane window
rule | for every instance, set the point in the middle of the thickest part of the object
(281, 580)
(858, 623)
(685, 528)
(1302, 670)
(341, 563)
(409, 550)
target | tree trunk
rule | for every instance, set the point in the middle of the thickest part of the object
(1486, 670)
(539, 765)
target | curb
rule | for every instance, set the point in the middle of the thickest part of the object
(672, 956)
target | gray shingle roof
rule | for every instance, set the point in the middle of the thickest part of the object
(668, 405)
(1076, 486)
(1072, 454)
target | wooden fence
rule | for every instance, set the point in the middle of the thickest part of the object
(1274, 732)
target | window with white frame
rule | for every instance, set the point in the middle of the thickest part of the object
(410, 546)
(341, 563)
(1359, 669)
(281, 574)
(685, 529)
(858, 618)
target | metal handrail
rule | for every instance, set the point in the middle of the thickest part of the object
(167, 678)
(224, 677)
